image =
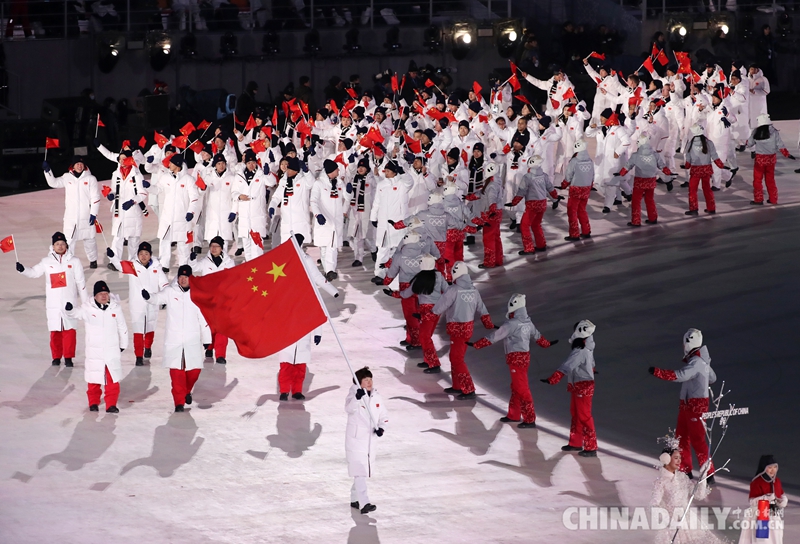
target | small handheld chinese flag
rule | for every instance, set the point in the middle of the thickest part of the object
(187, 129)
(429, 83)
(415, 146)
(648, 65)
(352, 93)
(600, 56)
(334, 107)
(180, 142)
(251, 123)
(99, 122)
(569, 93)
(7, 244)
(200, 183)
(98, 228)
(106, 190)
(662, 58)
(128, 268)
(57, 280)
(654, 51)
(197, 146)
(275, 117)
(142, 142)
(258, 146)
(189, 237)
(476, 88)
(257, 239)
(395, 86)
(522, 98)
(51, 143)
(204, 125)
(272, 292)
(161, 140)
(514, 82)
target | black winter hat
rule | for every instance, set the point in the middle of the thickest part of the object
(249, 155)
(478, 147)
(145, 246)
(293, 163)
(185, 270)
(348, 143)
(607, 113)
(177, 160)
(475, 106)
(59, 237)
(364, 162)
(463, 124)
(101, 287)
(217, 240)
(330, 166)
(453, 153)
(219, 157)
(393, 167)
(430, 133)
(78, 159)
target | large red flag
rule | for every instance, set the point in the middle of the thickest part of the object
(263, 305)
(7, 244)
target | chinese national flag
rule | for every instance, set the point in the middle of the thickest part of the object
(98, 228)
(352, 93)
(257, 240)
(127, 268)
(429, 83)
(58, 280)
(161, 140)
(204, 125)
(51, 143)
(99, 122)
(7, 244)
(648, 65)
(513, 68)
(654, 52)
(200, 183)
(189, 237)
(270, 293)
(267, 131)
(521, 98)
(514, 82)
(258, 146)
(569, 93)
(142, 142)
(662, 58)
(251, 123)
(415, 146)
(275, 117)
(600, 56)
(304, 107)
(553, 102)
(180, 142)
(334, 107)
(187, 129)
(476, 88)
(197, 146)
(105, 190)
(395, 86)
(722, 77)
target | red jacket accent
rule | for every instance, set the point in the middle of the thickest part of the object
(623, 171)
(668, 375)
(555, 378)
(487, 321)
(759, 486)
(399, 225)
(543, 342)
(517, 200)
(482, 343)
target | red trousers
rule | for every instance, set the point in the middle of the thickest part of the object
(409, 306)
(182, 383)
(426, 327)
(576, 211)
(62, 343)
(698, 174)
(492, 244)
(765, 168)
(521, 402)
(460, 333)
(441, 266)
(291, 376)
(532, 221)
(692, 432)
(142, 341)
(581, 431)
(453, 250)
(643, 187)
(112, 391)
(219, 343)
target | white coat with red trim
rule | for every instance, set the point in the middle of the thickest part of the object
(81, 199)
(74, 288)
(253, 212)
(180, 197)
(150, 278)
(293, 208)
(106, 335)
(186, 329)
(127, 223)
(391, 202)
(332, 208)
(360, 438)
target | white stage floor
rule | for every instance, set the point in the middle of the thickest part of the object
(241, 467)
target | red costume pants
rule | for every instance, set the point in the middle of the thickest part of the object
(62, 344)
(182, 383)
(643, 187)
(441, 266)
(427, 325)
(112, 391)
(692, 432)
(492, 244)
(521, 403)
(765, 168)
(576, 211)
(532, 221)
(453, 250)
(459, 334)
(409, 306)
(219, 343)
(696, 175)
(142, 342)
(291, 377)
(581, 431)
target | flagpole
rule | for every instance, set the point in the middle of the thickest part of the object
(14, 243)
(97, 126)
(302, 258)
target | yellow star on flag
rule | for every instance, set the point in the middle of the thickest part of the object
(254, 270)
(277, 271)
(255, 288)
(263, 293)
(250, 278)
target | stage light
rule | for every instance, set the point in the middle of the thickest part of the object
(393, 39)
(682, 31)
(507, 34)
(432, 39)
(724, 28)
(312, 46)
(464, 34)
(159, 48)
(272, 43)
(189, 46)
(109, 47)
(785, 24)
(351, 41)
(229, 45)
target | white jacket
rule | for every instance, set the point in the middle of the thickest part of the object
(219, 204)
(106, 335)
(180, 197)
(294, 208)
(144, 317)
(186, 329)
(391, 202)
(253, 212)
(127, 223)
(360, 437)
(57, 269)
(81, 199)
(332, 209)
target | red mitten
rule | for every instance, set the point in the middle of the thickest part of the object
(482, 343)
(487, 321)
(387, 280)
(543, 342)
(399, 225)
(472, 196)
(555, 378)
(667, 375)
(564, 184)
(517, 200)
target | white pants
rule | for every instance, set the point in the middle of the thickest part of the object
(611, 193)
(117, 243)
(165, 250)
(330, 258)
(89, 245)
(251, 250)
(384, 254)
(359, 491)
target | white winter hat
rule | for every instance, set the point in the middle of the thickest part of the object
(763, 119)
(411, 238)
(516, 302)
(584, 329)
(490, 170)
(697, 130)
(450, 189)
(579, 146)
(643, 139)
(460, 269)
(534, 161)
(428, 262)
(693, 339)
(435, 198)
